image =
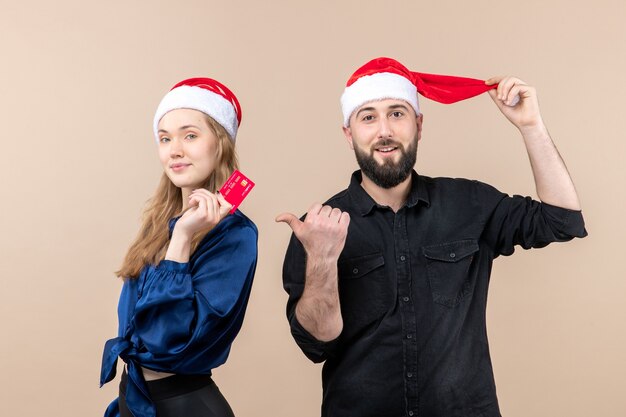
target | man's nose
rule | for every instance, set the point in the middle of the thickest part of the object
(384, 128)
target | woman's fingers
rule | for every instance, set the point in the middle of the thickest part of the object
(225, 206)
(202, 206)
(211, 207)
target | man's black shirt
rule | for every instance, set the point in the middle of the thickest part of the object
(413, 293)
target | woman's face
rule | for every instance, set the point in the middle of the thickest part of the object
(187, 147)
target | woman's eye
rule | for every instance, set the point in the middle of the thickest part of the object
(164, 139)
(191, 136)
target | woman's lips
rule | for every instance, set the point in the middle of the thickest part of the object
(178, 167)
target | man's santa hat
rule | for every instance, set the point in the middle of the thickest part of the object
(386, 78)
(206, 95)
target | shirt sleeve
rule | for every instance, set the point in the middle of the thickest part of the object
(517, 220)
(294, 272)
(189, 310)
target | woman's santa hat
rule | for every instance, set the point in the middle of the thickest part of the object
(385, 78)
(206, 95)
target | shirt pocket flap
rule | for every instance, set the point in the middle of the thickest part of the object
(452, 251)
(359, 266)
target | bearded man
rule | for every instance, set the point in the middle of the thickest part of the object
(388, 279)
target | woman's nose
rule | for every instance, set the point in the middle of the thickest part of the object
(176, 148)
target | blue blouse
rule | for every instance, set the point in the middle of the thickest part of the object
(183, 317)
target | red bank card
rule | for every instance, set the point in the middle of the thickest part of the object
(236, 188)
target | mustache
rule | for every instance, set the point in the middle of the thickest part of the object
(387, 142)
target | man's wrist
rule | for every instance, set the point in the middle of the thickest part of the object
(321, 274)
(536, 131)
(321, 260)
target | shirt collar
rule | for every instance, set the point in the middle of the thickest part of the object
(364, 203)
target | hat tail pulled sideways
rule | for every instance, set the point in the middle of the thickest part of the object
(448, 89)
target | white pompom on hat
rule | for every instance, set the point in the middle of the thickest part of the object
(206, 95)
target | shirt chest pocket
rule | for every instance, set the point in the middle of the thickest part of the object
(448, 266)
(363, 290)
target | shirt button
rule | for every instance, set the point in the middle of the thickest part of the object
(409, 336)
(453, 255)
(410, 413)
(410, 375)
(355, 271)
(403, 258)
(405, 299)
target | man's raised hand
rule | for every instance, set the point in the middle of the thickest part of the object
(322, 233)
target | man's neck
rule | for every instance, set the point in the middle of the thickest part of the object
(392, 197)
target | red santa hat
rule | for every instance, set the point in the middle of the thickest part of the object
(206, 95)
(384, 78)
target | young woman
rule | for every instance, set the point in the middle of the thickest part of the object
(188, 274)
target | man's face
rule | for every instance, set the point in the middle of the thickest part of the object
(384, 136)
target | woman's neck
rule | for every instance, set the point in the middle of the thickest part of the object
(185, 193)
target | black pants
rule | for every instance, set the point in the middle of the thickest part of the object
(182, 396)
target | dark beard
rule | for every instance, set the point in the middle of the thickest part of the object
(389, 174)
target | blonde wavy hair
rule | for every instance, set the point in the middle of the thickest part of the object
(150, 244)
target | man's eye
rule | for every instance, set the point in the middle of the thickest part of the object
(368, 117)
(397, 114)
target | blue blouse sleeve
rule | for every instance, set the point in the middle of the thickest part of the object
(194, 310)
